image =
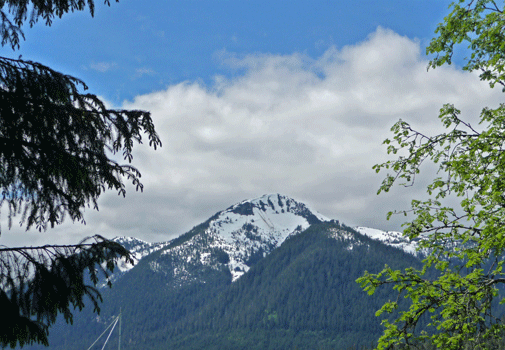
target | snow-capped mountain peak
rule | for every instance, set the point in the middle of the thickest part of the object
(242, 234)
(236, 238)
(272, 204)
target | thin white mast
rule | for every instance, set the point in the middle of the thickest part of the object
(119, 342)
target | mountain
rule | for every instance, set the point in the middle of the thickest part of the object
(265, 273)
(236, 237)
(391, 238)
(240, 235)
(138, 250)
(302, 295)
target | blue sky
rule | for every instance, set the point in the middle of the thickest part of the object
(135, 47)
(255, 97)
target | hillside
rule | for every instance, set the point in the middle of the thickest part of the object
(267, 273)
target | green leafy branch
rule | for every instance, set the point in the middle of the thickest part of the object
(464, 243)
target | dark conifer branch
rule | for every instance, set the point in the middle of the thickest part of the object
(61, 163)
(31, 276)
(55, 147)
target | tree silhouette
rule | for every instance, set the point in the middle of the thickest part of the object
(57, 145)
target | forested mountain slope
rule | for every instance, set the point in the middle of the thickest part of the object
(267, 273)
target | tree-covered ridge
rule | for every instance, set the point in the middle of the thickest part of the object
(302, 295)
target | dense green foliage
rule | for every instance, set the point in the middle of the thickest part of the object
(466, 241)
(302, 295)
(57, 147)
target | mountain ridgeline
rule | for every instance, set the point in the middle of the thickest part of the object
(266, 273)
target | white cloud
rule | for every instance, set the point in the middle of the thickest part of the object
(143, 71)
(304, 127)
(103, 67)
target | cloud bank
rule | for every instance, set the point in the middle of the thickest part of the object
(304, 127)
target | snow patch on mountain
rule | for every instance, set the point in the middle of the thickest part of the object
(257, 226)
(244, 233)
(344, 235)
(187, 261)
(236, 238)
(391, 238)
(138, 249)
